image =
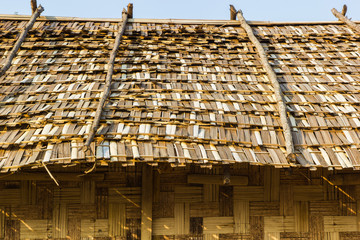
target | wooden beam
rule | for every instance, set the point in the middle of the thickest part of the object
(107, 87)
(344, 10)
(21, 39)
(130, 10)
(232, 12)
(146, 202)
(217, 179)
(345, 20)
(277, 90)
(33, 6)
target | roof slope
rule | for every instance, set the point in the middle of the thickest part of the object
(180, 93)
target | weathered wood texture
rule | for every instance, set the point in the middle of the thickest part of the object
(144, 202)
(279, 96)
(21, 39)
(345, 20)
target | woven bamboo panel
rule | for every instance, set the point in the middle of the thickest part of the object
(180, 211)
(340, 224)
(218, 225)
(35, 229)
(94, 228)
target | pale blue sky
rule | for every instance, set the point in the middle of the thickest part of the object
(264, 10)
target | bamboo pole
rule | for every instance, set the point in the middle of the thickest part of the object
(345, 20)
(33, 6)
(130, 10)
(107, 88)
(232, 12)
(21, 39)
(277, 90)
(146, 202)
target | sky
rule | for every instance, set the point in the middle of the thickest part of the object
(257, 10)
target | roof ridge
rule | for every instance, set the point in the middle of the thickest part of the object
(179, 21)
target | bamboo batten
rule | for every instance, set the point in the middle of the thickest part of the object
(107, 88)
(345, 20)
(21, 39)
(277, 90)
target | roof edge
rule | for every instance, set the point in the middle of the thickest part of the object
(176, 21)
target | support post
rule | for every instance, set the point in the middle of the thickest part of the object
(232, 12)
(21, 39)
(130, 10)
(277, 90)
(146, 202)
(33, 6)
(107, 88)
(345, 20)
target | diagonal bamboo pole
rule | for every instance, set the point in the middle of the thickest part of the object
(107, 88)
(21, 39)
(345, 20)
(277, 90)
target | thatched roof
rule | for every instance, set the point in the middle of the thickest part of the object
(182, 91)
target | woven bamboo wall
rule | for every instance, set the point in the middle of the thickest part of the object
(259, 203)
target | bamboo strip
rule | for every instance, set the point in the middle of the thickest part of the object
(182, 218)
(117, 220)
(2, 222)
(146, 202)
(277, 90)
(60, 221)
(301, 210)
(345, 20)
(107, 88)
(21, 39)
(241, 216)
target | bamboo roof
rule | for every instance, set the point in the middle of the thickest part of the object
(181, 92)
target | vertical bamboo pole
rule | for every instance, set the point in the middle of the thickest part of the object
(232, 13)
(33, 6)
(2, 221)
(146, 202)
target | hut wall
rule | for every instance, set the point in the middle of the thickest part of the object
(187, 203)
